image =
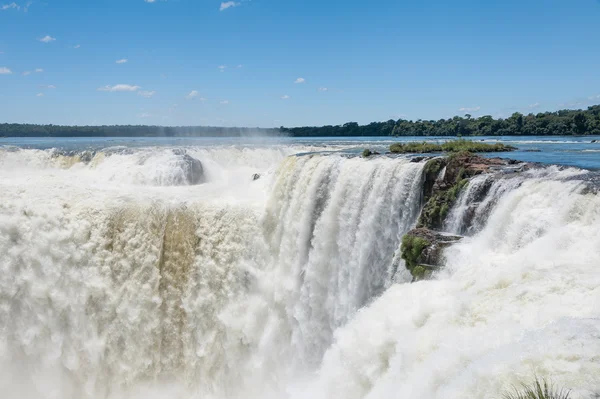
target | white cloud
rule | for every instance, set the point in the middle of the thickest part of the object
(534, 105)
(39, 70)
(48, 87)
(9, 6)
(193, 94)
(77, 46)
(322, 89)
(47, 39)
(594, 97)
(222, 68)
(286, 97)
(300, 80)
(40, 95)
(26, 73)
(150, 1)
(228, 4)
(147, 94)
(467, 109)
(5, 71)
(119, 87)
(240, 66)
(224, 102)
(144, 115)
(121, 61)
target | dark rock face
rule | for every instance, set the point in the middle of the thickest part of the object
(441, 190)
(422, 250)
(367, 153)
(255, 177)
(444, 178)
(193, 170)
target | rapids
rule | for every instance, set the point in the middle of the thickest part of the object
(119, 279)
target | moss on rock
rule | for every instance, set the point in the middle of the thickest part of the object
(422, 251)
(412, 248)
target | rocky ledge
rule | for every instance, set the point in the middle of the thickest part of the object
(443, 180)
(446, 177)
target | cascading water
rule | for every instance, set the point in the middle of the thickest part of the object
(520, 298)
(119, 280)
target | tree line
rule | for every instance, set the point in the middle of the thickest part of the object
(564, 122)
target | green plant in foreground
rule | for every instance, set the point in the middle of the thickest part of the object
(539, 389)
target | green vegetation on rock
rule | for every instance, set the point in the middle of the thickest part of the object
(366, 153)
(412, 248)
(438, 206)
(454, 146)
(539, 389)
(420, 273)
(434, 166)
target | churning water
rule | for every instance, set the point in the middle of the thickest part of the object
(119, 278)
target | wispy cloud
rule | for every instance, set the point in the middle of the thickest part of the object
(192, 94)
(122, 61)
(224, 102)
(469, 109)
(322, 89)
(13, 5)
(77, 46)
(40, 95)
(39, 70)
(47, 86)
(240, 66)
(534, 105)
(5, 71)
(300, 80)
(222, 68)
(147, 94)
(145, 114)
(47, 39)
(119, 87)
(285, 97)
(596, 97)
(26, 73)
(228, 4)
(150, 1)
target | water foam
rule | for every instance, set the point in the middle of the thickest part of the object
(114, 286)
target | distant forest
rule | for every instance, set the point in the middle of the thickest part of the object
(564, 122)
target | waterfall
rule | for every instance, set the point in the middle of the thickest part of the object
(120, 280)
(519, 298)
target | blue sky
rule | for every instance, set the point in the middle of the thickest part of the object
(293, 62)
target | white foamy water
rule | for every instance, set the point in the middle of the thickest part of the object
(118, 279)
